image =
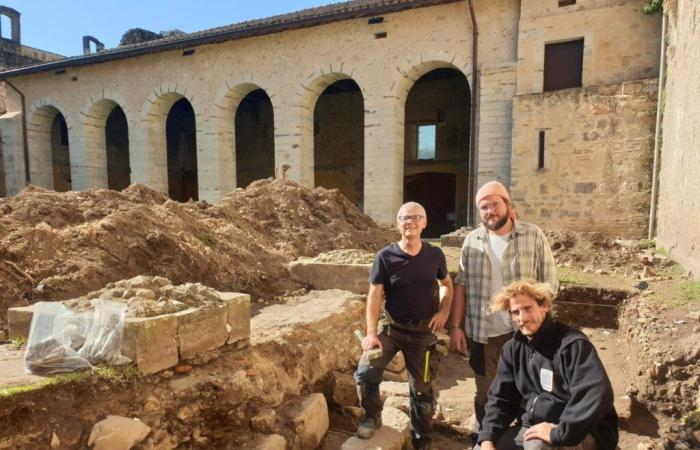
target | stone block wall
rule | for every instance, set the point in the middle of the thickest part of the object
(678, 217)
(597, 160)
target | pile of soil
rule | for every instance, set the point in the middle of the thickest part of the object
(57, 246)
(595, 251)
(150, 296)
(349, 256)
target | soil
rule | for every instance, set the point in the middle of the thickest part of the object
(349, 256)
(57, 246)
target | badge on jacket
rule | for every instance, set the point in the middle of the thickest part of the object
(546, 379)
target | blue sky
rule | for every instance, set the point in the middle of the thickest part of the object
(59, 25)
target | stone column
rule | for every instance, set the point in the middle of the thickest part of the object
(88, 156)
(12, 152)
(148, 155)
(216, 155)
(384, 158)
(294, 139)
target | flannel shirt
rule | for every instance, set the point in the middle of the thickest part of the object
(527, 256)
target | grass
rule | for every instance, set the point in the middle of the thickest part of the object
(567, 275)
(690, 291)
(18, 342)
(127, 372)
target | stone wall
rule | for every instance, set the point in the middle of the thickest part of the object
(597, 162)
(295, 66)
(678, 221)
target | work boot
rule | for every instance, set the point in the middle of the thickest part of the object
(368, 426)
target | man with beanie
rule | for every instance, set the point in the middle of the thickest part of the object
(499, 252)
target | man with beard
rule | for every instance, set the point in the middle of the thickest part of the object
(501, 251)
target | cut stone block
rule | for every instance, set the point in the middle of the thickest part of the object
(237, 316)
(348, 277)
(384, 438)
(308, 418)
(117, 433)
(19, 320)
(151, 342)
(201, 330)
(392, 388)
(344, 389)
(398, 420)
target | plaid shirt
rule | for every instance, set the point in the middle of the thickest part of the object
(527, 256)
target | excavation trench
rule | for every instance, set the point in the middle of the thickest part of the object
(589, 307)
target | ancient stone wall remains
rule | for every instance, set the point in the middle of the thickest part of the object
(597, 158)
(679, 196)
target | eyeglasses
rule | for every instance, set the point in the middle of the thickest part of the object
(490, 205)
(414, 218)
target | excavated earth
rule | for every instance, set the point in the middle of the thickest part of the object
(57, 246)
(622, 294)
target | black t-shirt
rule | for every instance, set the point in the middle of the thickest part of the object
(409, 281)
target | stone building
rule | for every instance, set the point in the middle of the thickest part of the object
(386, 100)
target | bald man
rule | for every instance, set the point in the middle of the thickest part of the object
(404, 276)
(501, 251)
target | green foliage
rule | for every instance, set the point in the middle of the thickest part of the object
(653, 7)
(692, 420)
(690, 291)
(18, 342)
(568, 275)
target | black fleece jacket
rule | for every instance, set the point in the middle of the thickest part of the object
(578, 399)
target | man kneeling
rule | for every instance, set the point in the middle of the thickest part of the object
(550, 378)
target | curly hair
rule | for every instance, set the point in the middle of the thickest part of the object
(539, 292)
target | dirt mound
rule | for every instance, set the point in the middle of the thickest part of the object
(597, 252)
(56, 246)
(349, 256)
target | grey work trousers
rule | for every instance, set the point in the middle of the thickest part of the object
(483, 359)
(422, 360)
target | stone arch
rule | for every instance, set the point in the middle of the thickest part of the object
(433, 101)
(13, 16)
(229, 97)
(148, 151)
(40, 123)
(304, 104)
(98, 148)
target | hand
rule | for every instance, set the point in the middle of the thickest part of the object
(458, 341)
(540, 431)
(371, 341)
(438, 321)
(487, 445)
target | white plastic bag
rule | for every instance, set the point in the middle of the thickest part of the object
(54, 336)
(104, 338)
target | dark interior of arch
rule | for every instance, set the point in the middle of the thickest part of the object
(339, 140)
(255, 138)
(180, 130)
(439, 103)
(117, 141)
(60, 154)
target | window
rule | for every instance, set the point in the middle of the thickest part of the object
(540, 153)
(426, 141)
(566, 2)
(563, 65)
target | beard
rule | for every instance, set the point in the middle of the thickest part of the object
(497, 225)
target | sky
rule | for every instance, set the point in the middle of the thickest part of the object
(59, 25)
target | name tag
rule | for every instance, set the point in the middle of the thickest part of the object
(546, 379)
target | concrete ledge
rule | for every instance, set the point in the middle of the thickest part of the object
(321, 276)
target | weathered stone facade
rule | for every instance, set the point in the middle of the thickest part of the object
(678, 216)
(295, 66)
(598, 145)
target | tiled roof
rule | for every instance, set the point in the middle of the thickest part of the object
(298, 19)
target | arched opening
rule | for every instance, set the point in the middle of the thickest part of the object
(255, 138)
(339, 140)
(60, 154)
(5, 27)
(436, 152)
(117, 143)
(180, 132)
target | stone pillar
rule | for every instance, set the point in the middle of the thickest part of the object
(294, 139)
(384, 158)
(88, 156)
(39, 142)
(495, 110)
(148, 155)
(216, 156)
(12, 152)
